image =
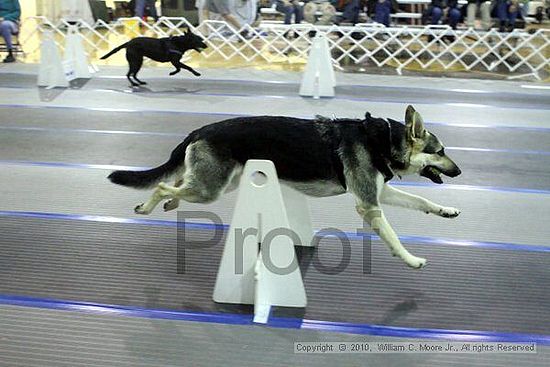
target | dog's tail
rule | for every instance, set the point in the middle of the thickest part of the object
(151, 177)
(114, 51)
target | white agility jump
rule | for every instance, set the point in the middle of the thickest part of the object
(259, 265)
(370, 44)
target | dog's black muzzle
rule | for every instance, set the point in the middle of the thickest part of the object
(434, 173)
(453, 173)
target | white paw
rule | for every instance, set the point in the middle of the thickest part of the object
(415, 262)
(448, 212)
(140, 209)
(171, 205)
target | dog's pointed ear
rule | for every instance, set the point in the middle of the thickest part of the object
(414, 124)
(409, 112)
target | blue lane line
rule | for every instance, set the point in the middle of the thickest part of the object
(91, 131)
(70, 165)
(122, 110)
(182, 136)
(493, 150)
(360, 86)
(278, 322)
(394, 183)
(358, 235)
(531, 106)
(471, 187)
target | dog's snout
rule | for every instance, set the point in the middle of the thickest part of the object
(455, 172)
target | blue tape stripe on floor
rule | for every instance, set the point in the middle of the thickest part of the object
(346, 85)
(289, 323)
(213, 226)
(122, 110)
(91, 131)
(104, 109)
(160, 93)
(394, 183)
(182, 136)
(71, 165)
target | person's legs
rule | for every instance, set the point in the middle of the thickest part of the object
(351, 11)
(502, 14)
(140, 8)
(221, 7)
(286, 10)
(230, 18)
(298, 13)
(471, 14)
(152, 9)
(512, 15)
(382, 12)
(309, 12)
(436, 14)
(7, 29)
(485, 10)
(454, 17)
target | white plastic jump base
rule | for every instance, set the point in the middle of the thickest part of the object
(75, 55)
(51, 72)
(259, 265)
(318, 80)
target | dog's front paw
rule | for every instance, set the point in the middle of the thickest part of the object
(140, 209)
(448, 212)
(196, 74)
(415, 262)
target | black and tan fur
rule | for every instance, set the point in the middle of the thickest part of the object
(319, 157)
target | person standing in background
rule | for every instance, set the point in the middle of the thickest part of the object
(10, 12)
(140, 8)
(450, 7)
(288, 8)
(507, 12)
(382, 12)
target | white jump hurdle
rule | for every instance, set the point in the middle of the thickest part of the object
(259, 264)
(56, 72)
(318, 79)
(51, 73)
(75, 54)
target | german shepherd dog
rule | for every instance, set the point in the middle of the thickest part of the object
(169, 49)
(319, 157)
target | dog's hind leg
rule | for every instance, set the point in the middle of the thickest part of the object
(206, 177)
(178, 69)
(134, 61)
(392, 196)
(128, 75)
(174, 202)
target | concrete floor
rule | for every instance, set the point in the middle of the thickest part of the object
(57, 146)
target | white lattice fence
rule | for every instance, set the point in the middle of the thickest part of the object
(424, 47)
